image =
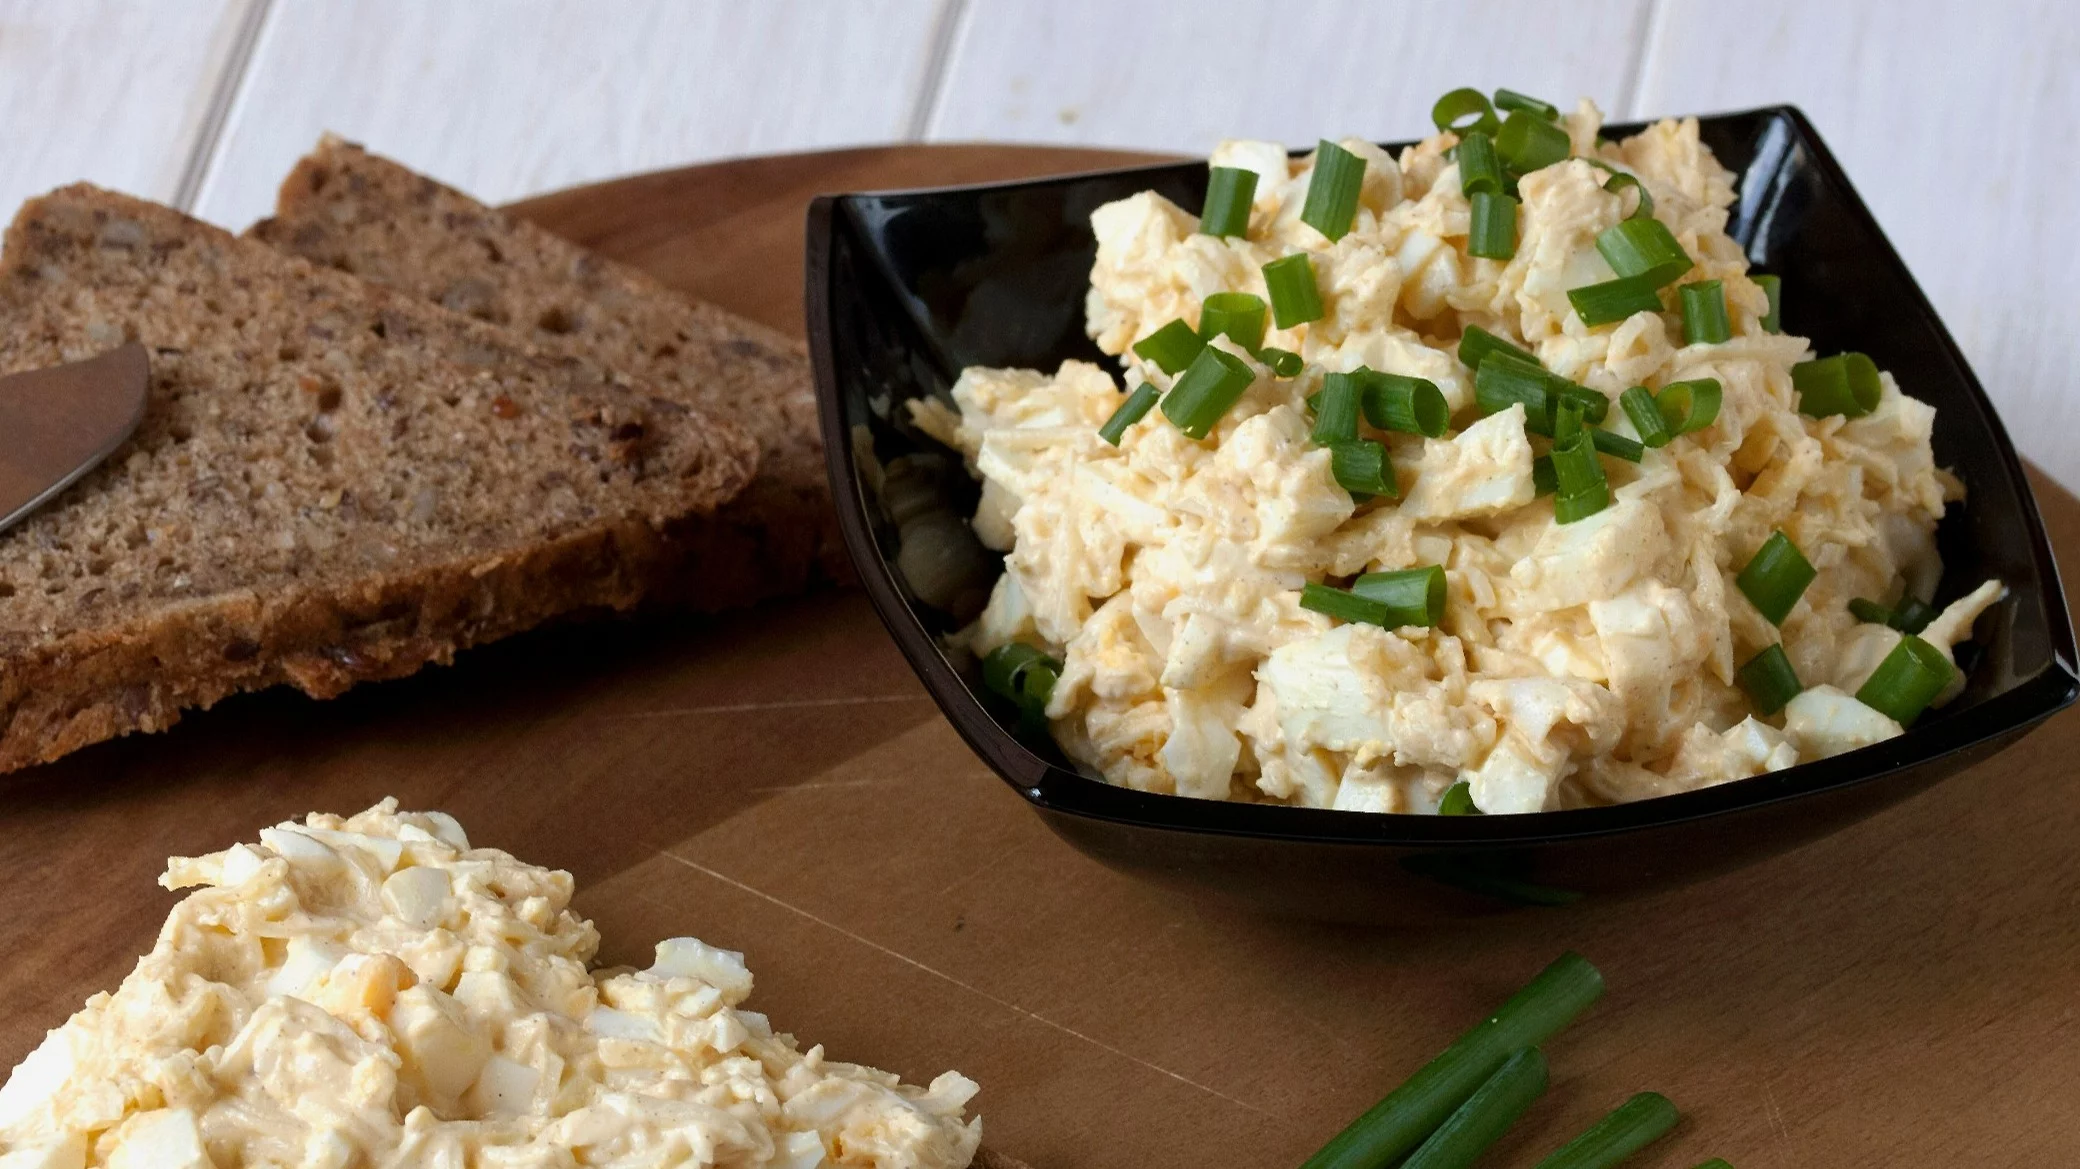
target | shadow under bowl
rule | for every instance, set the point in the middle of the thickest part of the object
(907, 288)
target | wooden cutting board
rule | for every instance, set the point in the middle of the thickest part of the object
(1904, 993)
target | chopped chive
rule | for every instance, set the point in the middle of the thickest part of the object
(1411, 1112)
(1294, 298)
(1845, 384)
(1336, 409)
(1595, 407)
(1643, 247)
(1909, 678)
(1413, 596)
(1913, 615)
(1411, 405)
(1618, 446)
(1342, 605)
(1283, 362)
(1620, 180)
(1704, 313)
(1689, 405)
(1230, 190)
(1567, 419)
(1362, 468)
(1457, 800)
(1024, 675)
(1544, 481)
(1133, 410)
(1238, 314)
(1776, 577)
(1171, 347)
(1511, 100)
(1769, 680)
(1503, 380)
(1773, 287)
(1207, 390)
(1479, 169)
(1332, 191)
(1615, 300)
(1488, 1113)
(1871, 612)
(1463, 112)
(1476, 343)
(1035, 691)
(1528, 142)
(1493, 234)
(1715, 1163)
(1630, 1127)
(1646, 416)
(1580, 488)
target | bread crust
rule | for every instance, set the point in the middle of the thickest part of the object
(261, 527)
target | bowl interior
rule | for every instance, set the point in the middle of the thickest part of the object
(907, 288)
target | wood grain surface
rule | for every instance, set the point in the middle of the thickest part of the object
(1900, 994)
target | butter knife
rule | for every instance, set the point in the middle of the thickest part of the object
(57, 424)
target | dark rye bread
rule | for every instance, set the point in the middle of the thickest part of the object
(332, 482)
(358, 212)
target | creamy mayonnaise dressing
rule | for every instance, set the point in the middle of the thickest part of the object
(1576, 664)
(373, 991)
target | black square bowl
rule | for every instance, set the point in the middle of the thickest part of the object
(907, 288)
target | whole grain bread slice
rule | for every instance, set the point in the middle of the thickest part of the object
(333, 482)
(358, 212)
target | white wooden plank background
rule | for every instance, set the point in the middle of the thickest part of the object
(1953, 118)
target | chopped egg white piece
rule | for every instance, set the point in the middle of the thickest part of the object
(1583, 663)
(372, 991)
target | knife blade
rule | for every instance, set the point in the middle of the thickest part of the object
(57, 424)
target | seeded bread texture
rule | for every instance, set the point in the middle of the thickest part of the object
(333, 482)
(348, 209)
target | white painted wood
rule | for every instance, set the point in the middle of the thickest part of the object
(506, 99)
(1183, 75)
(1956, 122)
(114, 92)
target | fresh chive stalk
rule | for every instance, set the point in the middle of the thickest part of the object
(1503, 380)
(1479, 169)
(1845, 384)
(1776, 577)
(1230, 190)
(1645, 248)
(1493, 234)
(1907, 681)
(1332, 190)
(1704, 313)
(1171, 347)
(1511, 100)
(1638, 403)
(1237, 315)
(1615, 300)
(1528, 142)
(1463, 112)
(1295, 300)
(1630, 1127)
(1772, 287)
(1688, 406)
(1283, 362)
(1769, 680)
(1133, 410)
(1413, 596)
(1362, 468)
(1477, 344)
(1410, 405)
(1488, 1113)
(1336, 410)
(1206, 391)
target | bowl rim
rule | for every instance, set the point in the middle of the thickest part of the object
(1054, 789)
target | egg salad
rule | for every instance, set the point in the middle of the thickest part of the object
(373, 991)
(1481, 476)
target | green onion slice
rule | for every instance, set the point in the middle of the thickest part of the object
(1594, 406)
(1476, 343)
(1580, 488)
(1543, 480)
(1615, 300)
(1773, 287)
(1171, 347)
(1871, 612)
(1413, 596)
(1004, 667)
(1704, 313)
(1479, 169)
(1776, 577)
(1511, 100)
(1283, 362)
(1413, 1111)
(1845, 384)
(1493, 235)
(1295, 300)
(1769, 680)
(1230, 191)
(1457, 800)
(1528, 142)
(1488, 1113)
(1240, 315)
(1715, 1163)
(1463, 112)
(1362, 468)
(1909, 678)
(1638, 403)
(1630, 1127)
(1207, 390)
(1689, 405)
(1643, 247)
(1133, 410)
(1913, 615)
(1567, 419)
(1619, 181)
(1618, 446)
(1342, 605)
(1503, 380)
(1332, 190)
(1336, 409)
(1410, 405)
